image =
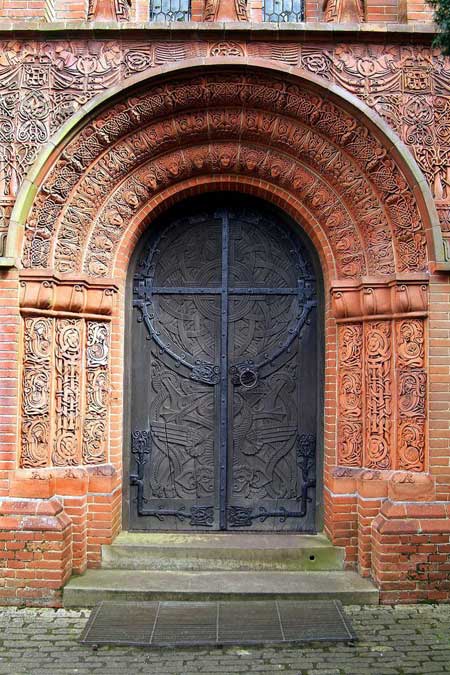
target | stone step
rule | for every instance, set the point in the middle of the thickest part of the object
(183, 551)
(96, 585)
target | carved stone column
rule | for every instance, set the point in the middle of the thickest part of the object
(381, 372)
(65, 377)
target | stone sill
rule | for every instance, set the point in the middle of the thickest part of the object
(192, 29)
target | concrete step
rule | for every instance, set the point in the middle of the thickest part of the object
(96, 585)
(243, 552)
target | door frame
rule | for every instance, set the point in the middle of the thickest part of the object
(128, 323)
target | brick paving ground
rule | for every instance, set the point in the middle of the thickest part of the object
(393, 641)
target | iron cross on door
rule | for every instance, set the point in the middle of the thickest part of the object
(224, 375)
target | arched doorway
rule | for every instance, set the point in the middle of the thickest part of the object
(225, 378)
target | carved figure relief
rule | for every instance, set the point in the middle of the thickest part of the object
(350, 420)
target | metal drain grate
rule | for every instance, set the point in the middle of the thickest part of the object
(169, 624)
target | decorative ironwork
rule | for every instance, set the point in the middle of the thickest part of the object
(170, 10)
(280, 11)
(226, 301)
(141, 449)
(239, 516)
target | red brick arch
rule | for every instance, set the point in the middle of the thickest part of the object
(227, 123)
(253, 129)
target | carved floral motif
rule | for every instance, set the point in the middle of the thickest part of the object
(36, 392)
(66, 450)
(97, 393)
(350, 419)
(378, 373)
(412, 393)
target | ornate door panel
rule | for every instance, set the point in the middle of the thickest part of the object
(224, 381)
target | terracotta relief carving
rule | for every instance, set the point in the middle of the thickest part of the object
(114, 215)
(227, 48)
(44, 83)
(68, 350)
(109, 10)
(412, 388)
(44, 293)
(378, 373)
(36, 392)
(55, 349)
(97, 393)
(350, 418)
(345, 11)
(360, 172)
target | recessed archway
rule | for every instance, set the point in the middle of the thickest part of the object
(224, 361)
(317, 154)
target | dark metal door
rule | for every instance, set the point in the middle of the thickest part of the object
(224, 379)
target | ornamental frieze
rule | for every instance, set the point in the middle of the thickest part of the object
(45, 83)
(334, 144)
(380, 298)
(43, 293)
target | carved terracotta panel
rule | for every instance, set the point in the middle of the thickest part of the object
(378, 376)
(68, 352)
(95, 425)
(350, 407)
(36, 392)
(331, 141)
(412, 394)
(44, 83)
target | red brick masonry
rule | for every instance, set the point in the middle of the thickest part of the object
(111, 133)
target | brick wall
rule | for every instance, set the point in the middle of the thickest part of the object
(411, 552)
(389, 11)
(35, 551)
(78, 508)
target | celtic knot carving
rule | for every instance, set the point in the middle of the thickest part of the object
(350, 439)
(36, 392)
(378, 354)
(412, 392)
(97, 393)
(410, 344)
(357, 173)
(66, 450)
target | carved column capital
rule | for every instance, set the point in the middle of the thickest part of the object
(379, 297)
(60, 295)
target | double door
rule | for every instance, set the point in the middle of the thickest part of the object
(224, 375)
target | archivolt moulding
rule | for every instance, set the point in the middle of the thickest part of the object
(329, 112)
